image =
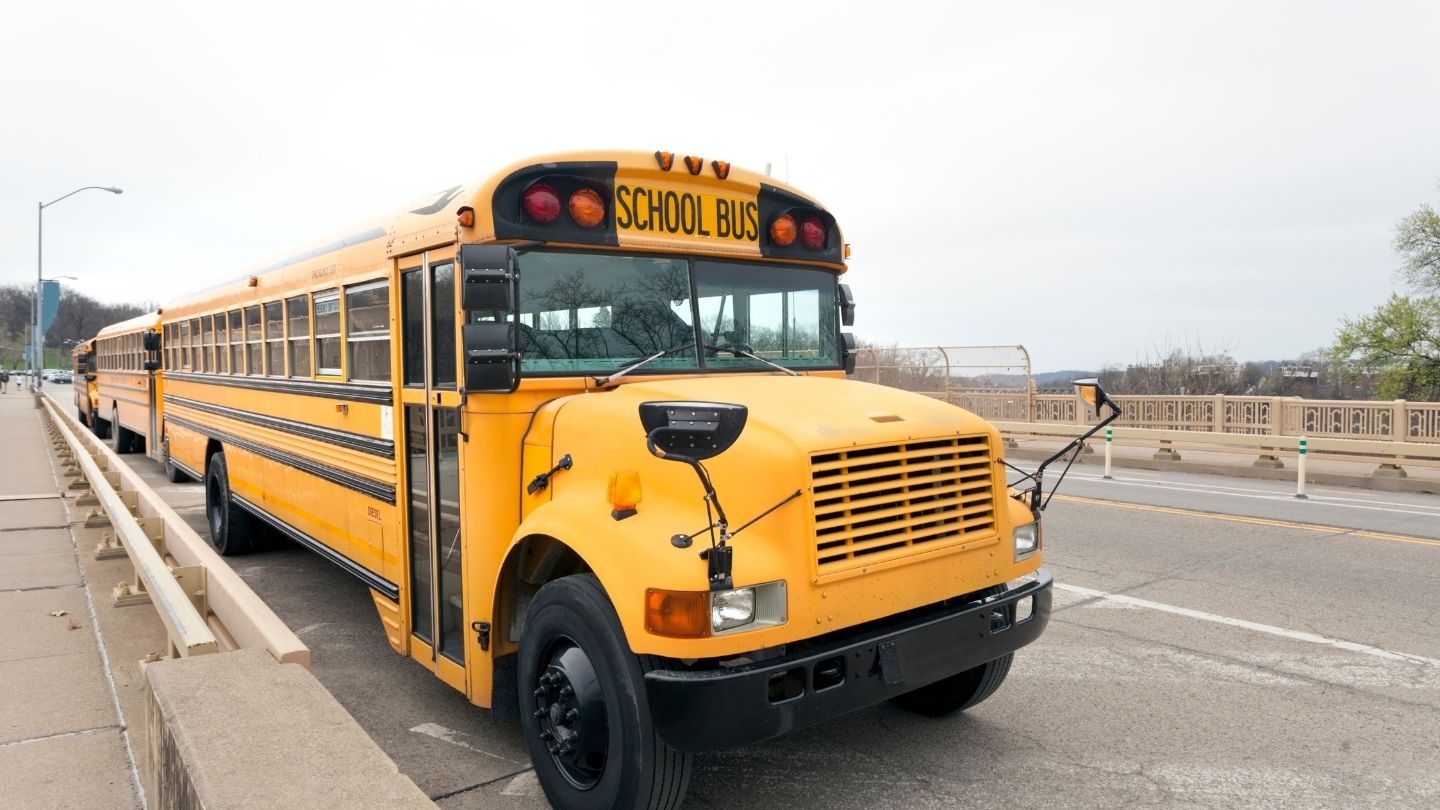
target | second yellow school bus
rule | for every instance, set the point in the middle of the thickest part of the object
(127, 397)
(583, 428)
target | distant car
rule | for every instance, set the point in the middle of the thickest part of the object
(62, 377)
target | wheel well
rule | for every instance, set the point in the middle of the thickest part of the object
(211, 448)
(533, 561)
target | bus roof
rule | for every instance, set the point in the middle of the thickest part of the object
(680, 195)
(139, 323)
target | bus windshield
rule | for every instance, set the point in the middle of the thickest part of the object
(587, 312)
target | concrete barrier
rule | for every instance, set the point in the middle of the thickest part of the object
(241, 730)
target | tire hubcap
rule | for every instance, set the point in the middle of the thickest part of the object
(570, 710)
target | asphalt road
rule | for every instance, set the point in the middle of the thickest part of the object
(1216, 643)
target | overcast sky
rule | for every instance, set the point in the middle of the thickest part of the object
(1094, 180)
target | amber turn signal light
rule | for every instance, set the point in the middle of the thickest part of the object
(782, 230)
(678, 614)
(624, 489)
(466, 217)
(586, 208)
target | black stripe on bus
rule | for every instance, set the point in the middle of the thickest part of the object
(185, 468)
(343, 438)
(359, 483)
(306, 388)
(360, 572)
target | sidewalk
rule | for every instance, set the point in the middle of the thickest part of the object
(64, 740)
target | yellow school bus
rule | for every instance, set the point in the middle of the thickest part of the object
(82, 378)
(583, 428)
(127, 398)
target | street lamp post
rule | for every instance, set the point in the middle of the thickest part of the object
(37, 342)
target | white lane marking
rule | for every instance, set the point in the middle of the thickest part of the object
(524, 784)
(454, 737)
(1294, 635)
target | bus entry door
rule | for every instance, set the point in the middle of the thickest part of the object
(431, 430)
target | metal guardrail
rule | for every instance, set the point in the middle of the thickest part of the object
(1388, 454)
(203, 603)
(1258, 442)
(935, 372)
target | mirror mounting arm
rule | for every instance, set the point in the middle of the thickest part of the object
(1036, 505)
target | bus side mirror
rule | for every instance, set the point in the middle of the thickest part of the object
(1094, 396)
(492, 357)
(691, 431)
(847, 305)
(848, 352)
(152, 365)
(490, 289)
(488, 279)
(151, 341)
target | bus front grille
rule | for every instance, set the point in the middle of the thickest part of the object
(874, 504)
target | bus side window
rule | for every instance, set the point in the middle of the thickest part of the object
(327, 332)
(222, 351)
(275, 339)
(253, 358)
(367, 331)
(237, 341)
(207, 344)
(297, 310)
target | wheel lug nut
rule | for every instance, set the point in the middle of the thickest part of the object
(566, 748)
(566, 691)
(572, 715)
(547, 735)
(540, 713)
(540, 692)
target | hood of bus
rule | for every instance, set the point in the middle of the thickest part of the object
(805, 440)
(804, 413)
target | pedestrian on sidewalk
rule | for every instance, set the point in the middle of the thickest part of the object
(4, 381)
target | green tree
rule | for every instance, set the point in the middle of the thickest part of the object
(1398, 344)
(1417, 240)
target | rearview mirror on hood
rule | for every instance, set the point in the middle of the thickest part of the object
(691, 431)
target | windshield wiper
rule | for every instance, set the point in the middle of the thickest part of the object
(741, 350)
(601, 382)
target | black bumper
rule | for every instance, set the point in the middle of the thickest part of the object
(721, 708)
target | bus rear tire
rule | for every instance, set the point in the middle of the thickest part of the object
(232, 529)
(122, 438)
(583, 706)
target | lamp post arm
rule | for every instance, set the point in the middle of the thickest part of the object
(77, 191)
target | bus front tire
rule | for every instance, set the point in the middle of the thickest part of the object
(231, 528)
(583, 706)
(957, 692)
(99, 427)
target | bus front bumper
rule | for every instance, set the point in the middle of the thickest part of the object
(725, 707)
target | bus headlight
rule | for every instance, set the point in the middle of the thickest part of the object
(730, 609)
(747, 608)
(1027, 540)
